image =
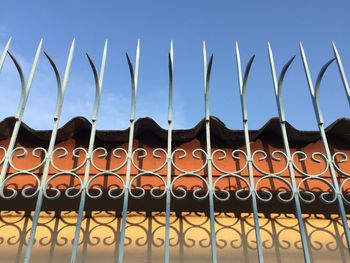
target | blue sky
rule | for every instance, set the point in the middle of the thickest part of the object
(187, 23)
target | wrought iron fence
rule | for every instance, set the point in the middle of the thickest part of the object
(249, 189)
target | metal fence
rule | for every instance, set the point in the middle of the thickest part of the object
(297, 195)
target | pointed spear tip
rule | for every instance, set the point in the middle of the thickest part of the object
(269, 48)
(73, 43)
(171, 48)
(237, 47)
(40, 45)
(334, 47)
(7, 46)
(301, 48)
(127, 57)
(138, 49)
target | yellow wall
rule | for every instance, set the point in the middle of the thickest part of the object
(189, 238)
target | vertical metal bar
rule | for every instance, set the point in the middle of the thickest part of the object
(25, 89)
(242, 88)
(4, 53)
(281, 112)
(207, 71)
(341, 71)
(314, 93)
(134, 77)
(98, 86)
(61, 91)
(169, 156)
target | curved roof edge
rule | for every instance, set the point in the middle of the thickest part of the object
(340, 128)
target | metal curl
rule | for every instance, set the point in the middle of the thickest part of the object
(282, 75)
(23, 153)
(314, 159)
(104, 154)
(195, 155)
(142, 190)
(207, 81)
(98, 188)
(4, 157)
(280, 194)
(57, 75)
(246, 74)
(184, 192)
(344, 159)
(345, 194)
(210, 64)
(21, 76)
(237, 192)
(75, 153)
(134, 76)
(274, 157)
(97, 86)
(234, 156)
(319, 78)
(312, 196)
(243, 82)
(144, 154)
(24, 192)
(57, 192)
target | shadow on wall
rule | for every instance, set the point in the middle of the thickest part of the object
(189, 238)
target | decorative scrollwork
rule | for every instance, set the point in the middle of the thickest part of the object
(139, 192)
(309, 197)
(103, 153)
(264, 194)
(342, 158)
(282, 195)
(196, 154)
(70, 192)
(241, 190)
(182, 190)
(235, 156)
(98, 188)
(3, 149)
(21, 152)
(345, 192)
(27, 191)
(274, 156)
(315, 158)
(242, 194)
(144, 154)
(76, 153)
